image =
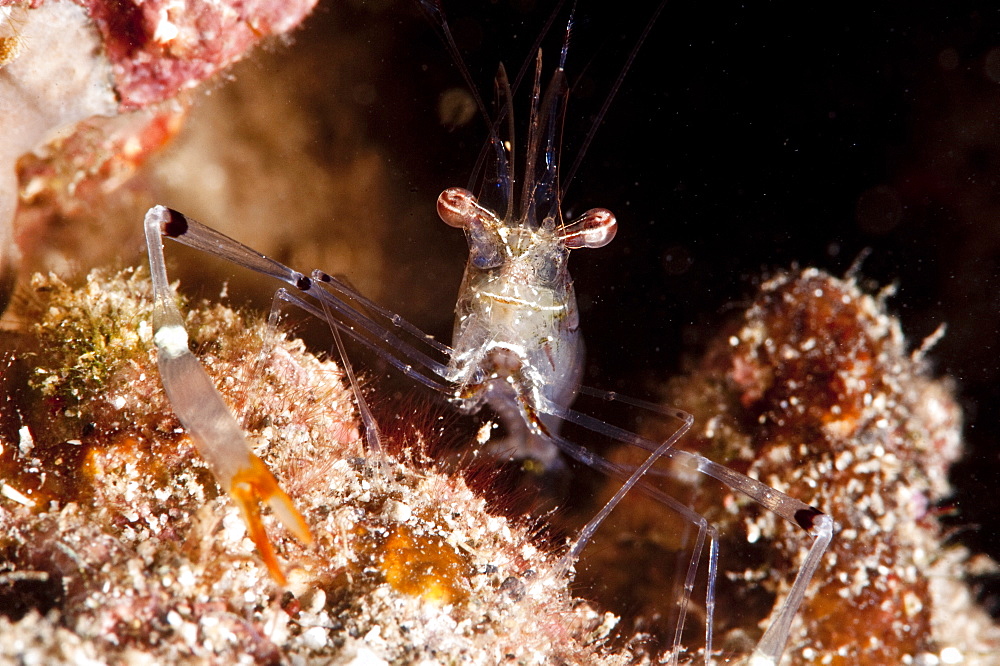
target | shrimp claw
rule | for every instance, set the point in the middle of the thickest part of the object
(208, 420)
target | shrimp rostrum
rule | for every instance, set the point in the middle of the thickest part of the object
(516, 348)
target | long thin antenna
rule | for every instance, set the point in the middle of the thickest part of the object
(567, 177)
(435, 13)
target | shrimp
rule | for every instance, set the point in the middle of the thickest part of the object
(516, 348)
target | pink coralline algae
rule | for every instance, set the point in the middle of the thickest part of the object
(116, 543)
(161, 47)
(65, 62)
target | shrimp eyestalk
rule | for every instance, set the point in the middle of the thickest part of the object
(208, 419)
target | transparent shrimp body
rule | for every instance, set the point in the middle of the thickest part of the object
(522, 333)
(523, 308)
(517, 340)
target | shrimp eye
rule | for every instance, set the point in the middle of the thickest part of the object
(595, 228)
(457, 207)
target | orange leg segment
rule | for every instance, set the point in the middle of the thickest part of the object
(257, 484)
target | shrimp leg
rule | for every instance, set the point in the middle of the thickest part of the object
(208, 420)
(808, 518)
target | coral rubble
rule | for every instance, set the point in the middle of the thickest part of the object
(116, 543)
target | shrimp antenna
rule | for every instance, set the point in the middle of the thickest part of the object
(435, 14)
(568, 175)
